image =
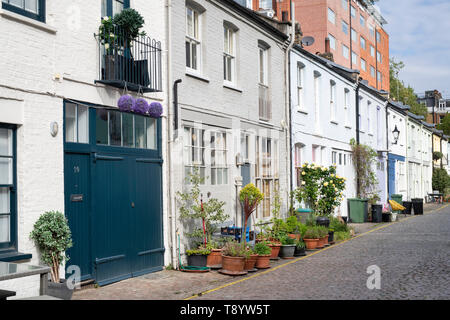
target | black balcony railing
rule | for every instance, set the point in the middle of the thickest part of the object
(131, 63)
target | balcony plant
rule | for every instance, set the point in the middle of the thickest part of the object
(234, 255)
(52, 236)
(263, 251)
(287, 247)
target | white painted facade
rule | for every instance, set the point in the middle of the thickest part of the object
(217, 109)
(42, 64)
(323, 119)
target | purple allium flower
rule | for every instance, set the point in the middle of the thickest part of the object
(155, 110)
(140, 106)
(126, 103)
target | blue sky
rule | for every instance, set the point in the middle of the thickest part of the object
(419, 32)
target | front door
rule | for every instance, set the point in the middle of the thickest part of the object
(114, 195)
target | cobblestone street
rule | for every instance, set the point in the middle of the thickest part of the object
(413, 255)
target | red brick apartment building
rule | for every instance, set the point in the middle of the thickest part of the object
(354, 27)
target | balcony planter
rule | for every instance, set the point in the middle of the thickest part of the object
(214, 259)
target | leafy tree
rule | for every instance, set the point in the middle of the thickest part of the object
(400, 92)
(445, 125)
(440, 180)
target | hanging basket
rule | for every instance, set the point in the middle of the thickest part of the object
(155, 110)
(126, 103)
(140, 106)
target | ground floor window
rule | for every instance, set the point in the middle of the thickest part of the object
(7, 186)
(299, 150)
(194, 151)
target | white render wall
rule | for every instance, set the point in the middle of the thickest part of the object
(326, 133)
(205, 101)
(41, 65)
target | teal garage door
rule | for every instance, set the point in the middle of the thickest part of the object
(113, 192)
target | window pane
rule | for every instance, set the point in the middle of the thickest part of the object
(104, 13)
(188, 54)
(83, 124)
(31, 5)
(6, 165)
(139, 124)
(71, 122)
(4, 228)
(117, 7)
(102, 126)
(151, 133)
(194, 56)
(4, 200)
(115, 128)
(5, 142)
(213, 176)
(18, 3)
(128, 129)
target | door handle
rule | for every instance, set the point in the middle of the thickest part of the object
(132, 204)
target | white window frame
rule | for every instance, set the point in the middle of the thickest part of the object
(347, 106)
(331, 16)
(333, 102)
(332, 41)
(199, 148)
(363, 64)
(219, 166)
(345, 52)
(229, 55)
(300, 89)
(194, 40)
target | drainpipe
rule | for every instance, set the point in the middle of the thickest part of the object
(175, 104)
(170, 199)
(387, 147)
(357, 128)
(408, 196)
(288, 131)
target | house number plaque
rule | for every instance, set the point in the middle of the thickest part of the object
(76, 197)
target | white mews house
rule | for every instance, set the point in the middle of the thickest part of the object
(227, 66)
(65, 145)
(372, 131)
(323, 116)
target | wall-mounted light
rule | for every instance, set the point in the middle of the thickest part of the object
(54, 129)
(396, 134)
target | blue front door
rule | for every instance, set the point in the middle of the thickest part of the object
(116, 218)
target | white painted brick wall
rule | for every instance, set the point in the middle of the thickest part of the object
(30, 59)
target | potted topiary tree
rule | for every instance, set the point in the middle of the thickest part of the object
(250, 197)
(52, 236)
(263, 251)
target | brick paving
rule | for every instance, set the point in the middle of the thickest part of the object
(413, 254)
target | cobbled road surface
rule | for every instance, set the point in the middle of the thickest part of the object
(413, 256)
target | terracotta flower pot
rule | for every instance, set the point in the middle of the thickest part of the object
(233, 264)
(275, 250)
(294, 236)
(214, 259)
(250, 262)
(263, 261)
(311, 244)
(325, 240)
(320, 243)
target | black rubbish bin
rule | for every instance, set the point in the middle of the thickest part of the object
(417, 204)
(377, 213)
(408, 206)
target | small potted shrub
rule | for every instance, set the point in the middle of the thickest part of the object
(263, 251)
(52, 235)
(287, 247)
(198, 257)
(299, 249)
(311, 238)
(233, 259)
(250, 261)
